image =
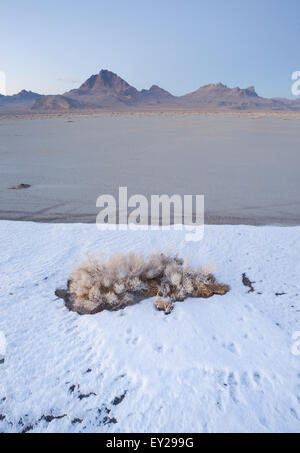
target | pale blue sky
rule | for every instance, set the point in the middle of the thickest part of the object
(51, 46)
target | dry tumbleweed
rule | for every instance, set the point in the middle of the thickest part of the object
(100, 284)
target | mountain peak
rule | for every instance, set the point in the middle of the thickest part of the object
(25, 94)
(22, 98)
(155, 95)
(156, 88)
(104, 82)
(251, 91)
(215, 86)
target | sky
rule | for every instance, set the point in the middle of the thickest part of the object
(52, 46)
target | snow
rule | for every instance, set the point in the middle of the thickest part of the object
(219, 365)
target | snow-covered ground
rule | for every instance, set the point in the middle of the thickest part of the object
(219, 365)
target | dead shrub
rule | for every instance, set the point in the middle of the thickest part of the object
(99, 284)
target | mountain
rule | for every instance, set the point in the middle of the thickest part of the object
(219, 93)
(219, 96)
(24, 97)
(109, 91)
(156, 95)
(18, 102)
(104, 90)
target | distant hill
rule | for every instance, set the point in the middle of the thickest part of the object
(220, 96)
(18, 102)
(109, 91)
(24, 97)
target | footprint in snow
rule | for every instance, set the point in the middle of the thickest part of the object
(232, 348)
(131, 339)
(233, 387)
(257, 378)
(294, 413)
(158, 348)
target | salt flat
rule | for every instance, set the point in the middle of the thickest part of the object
(219, 365)
(247, 167)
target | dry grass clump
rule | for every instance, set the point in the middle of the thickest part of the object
(164, 305)
(100, 284)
